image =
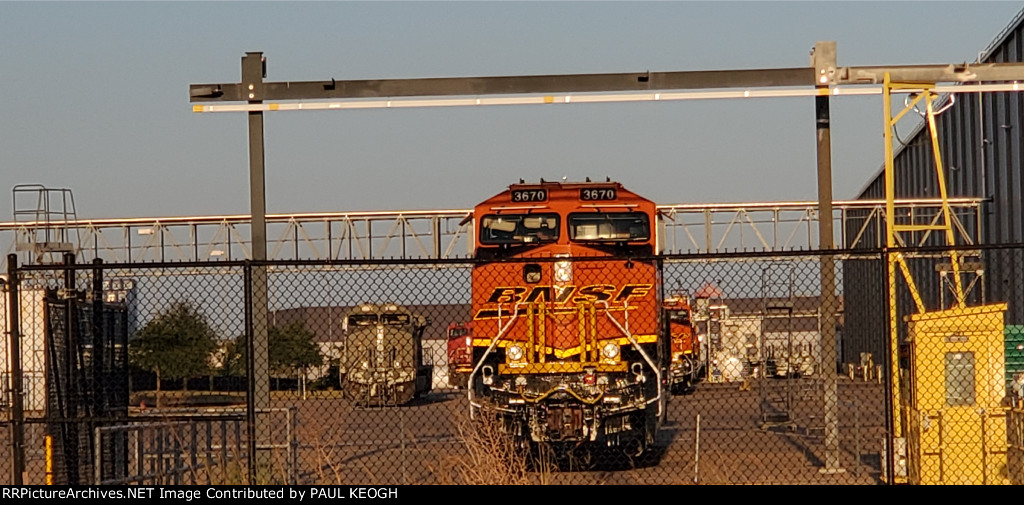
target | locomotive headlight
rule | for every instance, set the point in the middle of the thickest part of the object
(610, 350)
(515, 352)
(563, 271)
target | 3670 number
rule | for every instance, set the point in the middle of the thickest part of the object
(594, 194)
(530, 195)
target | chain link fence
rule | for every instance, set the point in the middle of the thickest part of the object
(148, 373)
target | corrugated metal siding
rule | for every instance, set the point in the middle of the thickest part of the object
(982, 145)
(1002, 120)
(864, 319)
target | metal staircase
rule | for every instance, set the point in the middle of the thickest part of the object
(46, 225)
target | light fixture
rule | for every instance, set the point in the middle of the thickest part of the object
(515, 352)
(610, 350)
(563, 270)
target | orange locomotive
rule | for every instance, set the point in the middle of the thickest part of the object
(569, 346)
(686, 357)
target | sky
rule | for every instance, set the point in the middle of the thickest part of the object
(94, 97)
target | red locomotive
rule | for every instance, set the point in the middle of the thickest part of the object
(460, 354)
(569, 343)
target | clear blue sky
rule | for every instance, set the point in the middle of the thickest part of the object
(94, 97)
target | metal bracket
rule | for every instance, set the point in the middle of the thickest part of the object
(823, 59)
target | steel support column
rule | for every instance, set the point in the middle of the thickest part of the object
(824, 61)
(252, 79)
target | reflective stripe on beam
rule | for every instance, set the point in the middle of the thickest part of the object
(594, 98)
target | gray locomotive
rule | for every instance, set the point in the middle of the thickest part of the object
(383, 359)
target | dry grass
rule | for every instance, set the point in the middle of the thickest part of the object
(493, 457)
(329, 460)
(226, 473)
(326, 461)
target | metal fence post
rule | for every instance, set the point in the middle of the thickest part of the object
(209, 452)
(193, 452)
(176, 458)
(17, 384)
(160, 457)
(293, 448)
(97, 456)
(224, 445)
(70, 430)
(96, 380)
(250, 373)
(889, 459)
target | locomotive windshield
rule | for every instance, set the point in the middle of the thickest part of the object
(609, 227)
(458, 332)
(362, 320)
(394, 319)
(679, 316)
(519, 228)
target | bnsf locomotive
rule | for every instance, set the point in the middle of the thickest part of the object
(687, 361)
(569, 345)
(460, 354)
(383, 356)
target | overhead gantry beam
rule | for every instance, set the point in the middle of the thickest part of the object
(507, 85)
(596, 83)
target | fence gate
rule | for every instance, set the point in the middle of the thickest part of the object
(87, 384)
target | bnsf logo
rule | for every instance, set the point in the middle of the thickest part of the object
(563, 294)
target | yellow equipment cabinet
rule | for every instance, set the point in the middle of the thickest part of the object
(956, 420)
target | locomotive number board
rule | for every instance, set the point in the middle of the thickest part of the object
(597, 194)
(530, 195)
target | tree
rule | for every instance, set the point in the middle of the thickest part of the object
(292, 349)
(176, 344)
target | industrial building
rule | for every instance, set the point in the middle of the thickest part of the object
(981, 146)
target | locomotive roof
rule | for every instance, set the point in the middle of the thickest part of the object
(566, 186)
(379, 308)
